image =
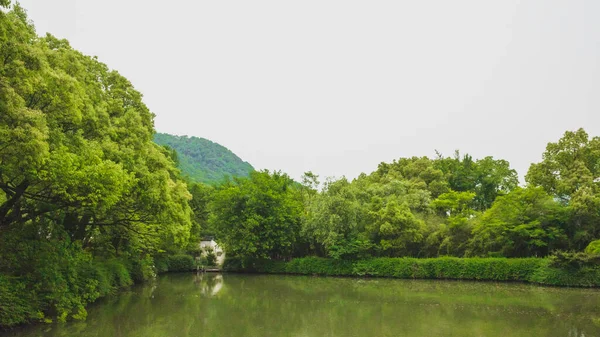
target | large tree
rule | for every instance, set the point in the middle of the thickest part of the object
(76, 147)
(258, 216)
(488, 178)
(570, 172)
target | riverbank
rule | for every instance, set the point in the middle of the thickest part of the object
(58, 295)
(531, 270)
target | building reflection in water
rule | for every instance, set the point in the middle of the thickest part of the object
(209, 283)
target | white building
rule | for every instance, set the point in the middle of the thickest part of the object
(209, 244)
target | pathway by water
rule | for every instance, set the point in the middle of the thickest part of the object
(231, 305)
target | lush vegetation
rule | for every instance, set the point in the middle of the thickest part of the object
(203, 161)
(86, 198)
(424, 208)
(534, 270)
(420, 207)
(89, 203)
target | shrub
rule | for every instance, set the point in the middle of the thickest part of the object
(535, 270)
(143, 269)
(161, 263)
(211, 259)
(117, 273)
(573, 260)
(16, 305)
(593, 248)
(181, 262)
(233, 264)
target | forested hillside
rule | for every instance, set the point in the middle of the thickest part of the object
(202, 160)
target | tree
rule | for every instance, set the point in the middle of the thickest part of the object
(334, 221)
(570, 172)
(80, 178)
(397, 229)
(258, 216)
(525, 222)
(77, 148)
(454, 235)
(488, 178)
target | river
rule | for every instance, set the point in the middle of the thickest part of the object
(231, 305)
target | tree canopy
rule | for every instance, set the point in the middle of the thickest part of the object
(80, 177)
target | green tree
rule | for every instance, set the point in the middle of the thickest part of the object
(570, 171)
(334, 221)
(452, 237)
(488, 178)
(397, 229)
(80, 179)
(258, 216)
(525, 222)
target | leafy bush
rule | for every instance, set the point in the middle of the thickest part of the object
(161, 264)
(234, 264)
(211, 259)
(143, 269)
(58, 291)
(593, 248)
(16, 306)
(573, 260)
(181, 263)
(535, 270)
(117, 273)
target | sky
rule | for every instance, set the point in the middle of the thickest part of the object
(336, 87)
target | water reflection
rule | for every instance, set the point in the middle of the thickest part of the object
(210, 284)
(267, 305)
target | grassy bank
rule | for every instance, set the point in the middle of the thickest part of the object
(63, 293)
(534, 270)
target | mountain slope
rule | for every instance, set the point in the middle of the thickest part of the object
(202, 160)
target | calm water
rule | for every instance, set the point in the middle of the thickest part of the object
(268, 305)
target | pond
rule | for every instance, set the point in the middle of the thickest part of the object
(231, 305)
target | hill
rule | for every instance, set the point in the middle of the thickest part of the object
(202, 160)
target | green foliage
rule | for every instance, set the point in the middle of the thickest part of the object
(142, 269)
(593, 248)
(211, 259)
(488, 178)
(90, 204)
(201, 197)
(570, 172)
(258, 216)
(161, 264)
(53, 279)
(77, 147)
(534, 270)
(525, 222)
(86, 197)
(333, 221)
(586, 276)
(203, 161)
(574, 260)
(179, 263)
(16, 304)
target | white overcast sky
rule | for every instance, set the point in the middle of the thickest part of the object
(337, 87)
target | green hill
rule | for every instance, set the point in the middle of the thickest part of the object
(202, 160)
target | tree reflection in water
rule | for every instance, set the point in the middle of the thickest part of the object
(236, 305)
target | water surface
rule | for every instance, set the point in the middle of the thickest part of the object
(231, 305)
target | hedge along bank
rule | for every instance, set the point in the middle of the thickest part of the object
(546, 271)
(83, 280)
